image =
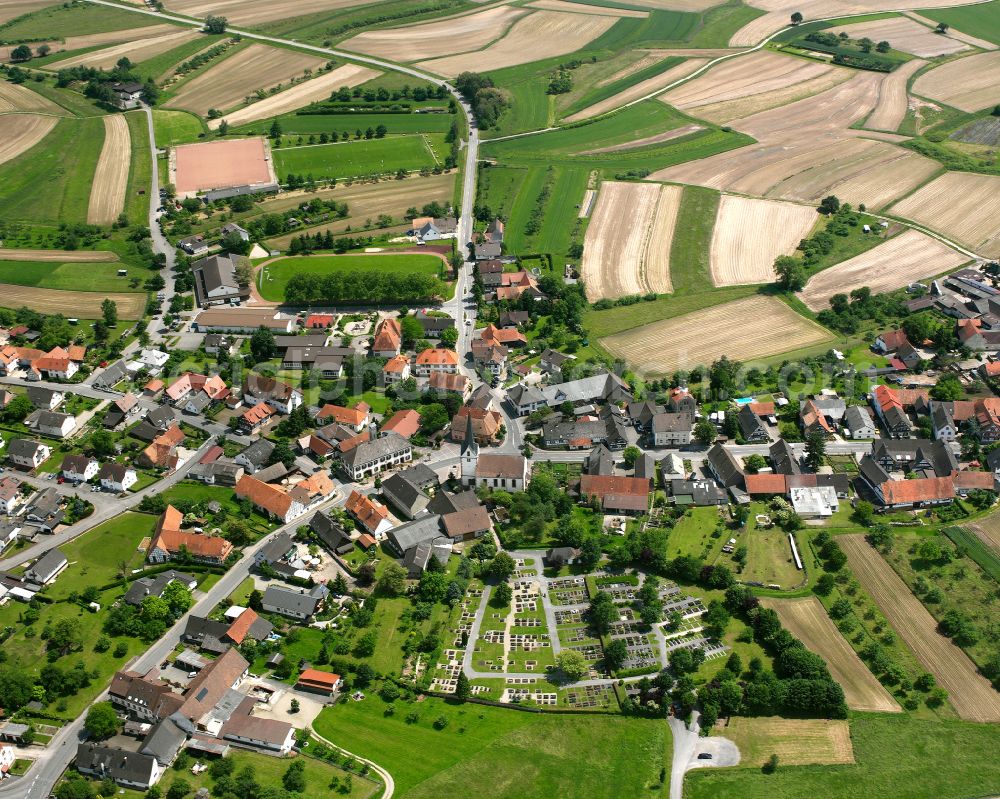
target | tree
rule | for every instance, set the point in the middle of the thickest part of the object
(223, 127)
(449, 337)
(15, 687)
(294, 706)
(275, 130)
(101, 721)
(771, 765)
(829, 205)
(883, 47)
(64, 637)
(704, 431)
(942, 27)
(216, 25)
(294, 778)
(74, 787)
(630, 456)
(615, 654)
(180, 788)
(755, 463)
(393, 580)
(412, 331)
(433, 418)
(17, 409)
(109, 312)
(503, 594)
(20, 53)
(864, 513)
(501, 567)
(791, 273)
(462, 688)
(262, 345)
(796, 17)
(572, 665)
(815, 450)
(602, 613)
(947, 389)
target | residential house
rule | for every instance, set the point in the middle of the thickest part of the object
(450, 383)
(388, 339)
(987, 415)
(149, 361)
(891, 406)
(79, 468)
(127, 95)
(972, 335)
(318, 682)
(405, 423)
(725, 467)
(169, 540)
(10, 494)
(253, 419)
(377, 455)
(129, 769)
(59, 363)
(271, 499)
(671, 429)
(280, 396)
(436, 360)
(417, 558)
(403, 538)
(552, 362)
(27, 454)
(139, 589)
(491, 357)
(919, 456)
(44, 510)
(162, 451)
(813, 420)
(584, 432)
(600, 388)
(947, 417)
(696, 493)
(820, 502)
(783, 458)
(45, 570)
(51, 424)
(157, 421)
(45, 399)
(468, 524)
(625, 495)
(753, 429)
(672, 468)
(641, 414)
(194, 245)
(190, 386)
(434, 326)
(255, 456)
(295, 603)
(889, 341)
(111, 376)
(214, 343)
(356, 418)
(405, 495)
(487, 426)
(396, 370)
(117, 477)
(859, 423)
(123, 412)
(330, 533)
(905, 494)
(370, 514)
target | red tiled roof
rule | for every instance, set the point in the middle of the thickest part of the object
(320, 320)
(406, 423)
(448, 382)
(765, 483)
(437, 357)
(263, 495)
(367, 511)
(397, 363)
(762, 408)
(903, 492)
(238, 629)
(341, 415)
(319, 679)
(258, 414)
(601, 484)
(972, 480)
(388, 336)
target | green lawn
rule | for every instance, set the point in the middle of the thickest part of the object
(897, 755)
(349, 123)
(692, 535)
(60, 21)
(979, 20)
(558, 214)
(769, 557)
(355, 158)
(51, 181)
(501, 753)
(689, 268)
(279, 272)
(175, 127)
(199, 492)
(498, 186)
(70, 276)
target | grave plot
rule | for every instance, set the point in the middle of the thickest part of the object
(590, 697)
(568, 596)
(688, 607)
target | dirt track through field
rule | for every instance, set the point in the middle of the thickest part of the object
(136, 51)
(898, 262)
(969, 692)
(9, 9)
(903, 34)
(627, 247)
(107, 193)
(542, 34)
(15, 98)
(962, 206)
(796, 742)
(253, 12)
(437, 39)
(749, 234)
(969, 84)
(583, 8)
(226, 84)
(300, 95)
(893, 98)
(808, 621)
(79, 304)
(57, 256)
(640, 89)
(21, 132)
(767, 326)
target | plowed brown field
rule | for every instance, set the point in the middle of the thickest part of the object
(969, 692)
(893, 98)
(107, 194)
(21, 132)
(80, 304)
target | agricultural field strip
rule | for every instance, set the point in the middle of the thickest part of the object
(988, 530)
(901, 260)
(659, 138)
(302, 94)
(15, 98)
(749, 234)
(903, 34)
(893, 99)
(87, 40)
(797, 742)
(57, 256)
(107, 194)
(136, 50)
(808, 621)
(583, 8)
(969, 84)
(252, 12)
(970, 693)
(982, 44)
(641, 89)
(82, 304)
(21, 132)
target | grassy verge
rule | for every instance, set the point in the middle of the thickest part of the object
(140, 172)
(689, 251)
(175, 127)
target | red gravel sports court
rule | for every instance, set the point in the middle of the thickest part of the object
(221, 165)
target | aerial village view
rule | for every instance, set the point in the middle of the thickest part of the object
(520, 399)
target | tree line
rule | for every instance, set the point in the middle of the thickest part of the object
(355, 287)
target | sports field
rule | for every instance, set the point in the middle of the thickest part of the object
(796, 742)
(355, 158)
(274, 275)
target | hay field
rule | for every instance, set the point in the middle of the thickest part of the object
(905, 35)
(9, 9)
(640, 89)
(796, 742)
(136, 51)
(901, 260)
(808, 621)
(659, 138)
(754, 327)
(542, 34)
(627, 246)
(80, 304)
(254, 67)
(301, 94)
(969, 692)
(107, 194)
(969, 84)
(962, 206)
(749, 234)
(582, 8)
(86, 40)
(253, 12)
(14, 97)
(677, 5)
(20, 132)
(816, 156)
(893, 98)
(975, 41)
(436, 39)
(57, 256)
(715, 94)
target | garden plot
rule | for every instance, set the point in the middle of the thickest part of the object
(253, 12)
(542, 34)
(901, 260)
(107, 194)
(302, 94)
(254, 68)
(962, 206)
(627, 246)
(14, 97)
(903, 34)
(808, 621)
(437, 39)
(766, 327)
(641, 89)
(749, 234)
(749, 84)
(988, 530)
(796, 742)
(893, 98)
(969, 692)
(136, 51)
(969, 84)
(21, 132)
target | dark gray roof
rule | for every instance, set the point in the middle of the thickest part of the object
(47, 565)
(366, 451)
(111, 376)
(600, 461)
(275, 549)
(41, 397)
(330, 534)
(445, 502)
(909, 452)
(725, 466)
(164, 741)
(645, 467)
(306, 340)
(118, 764)
(783, 459)
(874, 474)
(421, 475)
(701, 492)
(23, 447)
(412, 533)
(402, 492)
(857, 417)
(750, 424)
(297, 600)
(258, 452)
(435, 324)
(161, 417)
(416, 558)
(154, 586)
(672, 423)
(197, 628)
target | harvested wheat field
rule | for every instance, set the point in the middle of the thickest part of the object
(988, 530)
(643, 88)
(9, 9)
(542, 34)
(901, 260)
(677, 5)
(767, 326)
(107, 193)
(905, 35)
(436, 39)
(718, 93)
(756, 30)
(240, 75)
(961, 205)
(808, 621)
(252, 12)
(301, 94)
(893, 99)
(659, 138)
(21, 132)
(627, 247)
(982, 44)
(969, 692)
(86, 40)
(80, 304)
(57, 256)
(749, 234)
(582, 8)
(136, 51)
(969, 84)
(796, 742)
(14, 97)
